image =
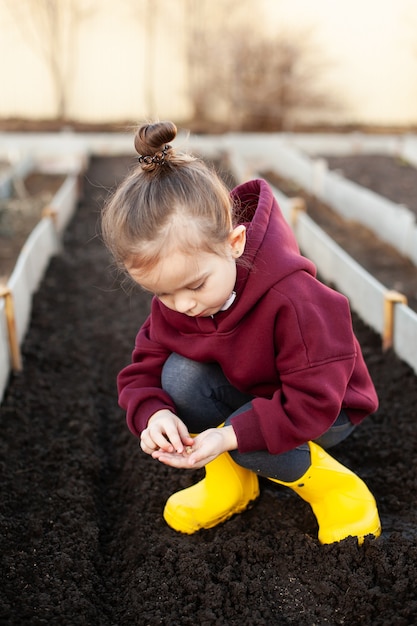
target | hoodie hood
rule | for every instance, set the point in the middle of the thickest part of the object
(271, 254)
(271, 251)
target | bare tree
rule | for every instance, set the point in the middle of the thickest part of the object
(255, 81)
(207, 32)
(279, 80)
(49, 27)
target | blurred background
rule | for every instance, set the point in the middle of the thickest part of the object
(214, 65)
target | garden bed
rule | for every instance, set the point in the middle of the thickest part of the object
(82, 535)
(391, 177)
(20, 214)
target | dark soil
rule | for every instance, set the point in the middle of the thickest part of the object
(20, 214)
(391, 177)
(83, 540)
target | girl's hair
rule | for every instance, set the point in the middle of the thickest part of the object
(170, 202)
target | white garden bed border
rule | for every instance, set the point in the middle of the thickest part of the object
(43, 242)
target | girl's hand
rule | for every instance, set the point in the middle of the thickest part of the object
(204, 448)
(165, 432)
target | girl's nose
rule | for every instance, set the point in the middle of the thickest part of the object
(184, 303)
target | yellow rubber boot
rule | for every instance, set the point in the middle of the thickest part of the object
(226, 489)
(342, 503)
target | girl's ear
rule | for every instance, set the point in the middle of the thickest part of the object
(237, 240)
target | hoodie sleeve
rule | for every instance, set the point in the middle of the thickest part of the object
(139, 384)
(320, 369)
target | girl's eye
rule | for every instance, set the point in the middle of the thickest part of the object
(199, 286)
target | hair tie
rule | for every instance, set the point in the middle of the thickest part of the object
(158, 158)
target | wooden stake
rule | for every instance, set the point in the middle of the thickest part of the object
(390, 300)
(16, 359)
(49, 211)
(297, 205)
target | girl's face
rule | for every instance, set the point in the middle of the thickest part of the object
(196, 285)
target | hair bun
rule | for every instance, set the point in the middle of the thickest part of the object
(152, 138)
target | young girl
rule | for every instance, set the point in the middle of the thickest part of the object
(247, 364)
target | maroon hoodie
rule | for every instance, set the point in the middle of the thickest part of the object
(287, 339)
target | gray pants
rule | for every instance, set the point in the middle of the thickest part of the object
(205, 399)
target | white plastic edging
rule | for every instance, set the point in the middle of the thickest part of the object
(402, 145)
(409, 151)
(262, 152)
(4, 349)
(41, 244)
(62, 204)
(341, 144)
(66, 146)
(23, 282)
(405, 334)
(391, 222)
